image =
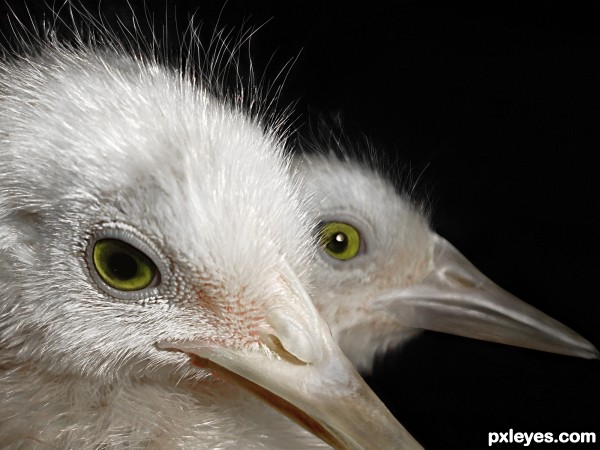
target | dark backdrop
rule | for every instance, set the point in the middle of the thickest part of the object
(496, 104)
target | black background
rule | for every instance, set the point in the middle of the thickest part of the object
(495, 106)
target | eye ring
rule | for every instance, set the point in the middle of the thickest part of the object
(125, 264)
(339, 240)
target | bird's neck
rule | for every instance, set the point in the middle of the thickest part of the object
(43, 410)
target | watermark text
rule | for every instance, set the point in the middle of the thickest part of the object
(512, 437)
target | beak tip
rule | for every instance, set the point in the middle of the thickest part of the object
(585, 350)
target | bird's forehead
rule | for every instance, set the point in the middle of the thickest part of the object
(220, 219)
(346, 186)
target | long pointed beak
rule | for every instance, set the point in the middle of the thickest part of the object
(456, 298)
(302, 373)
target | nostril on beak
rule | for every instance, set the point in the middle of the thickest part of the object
(464, 282)
(274, 344)
(292, 334)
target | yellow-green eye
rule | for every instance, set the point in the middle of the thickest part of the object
(122, 266)
(340, 240)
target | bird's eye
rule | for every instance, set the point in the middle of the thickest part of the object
(122, 266)
(340, 240)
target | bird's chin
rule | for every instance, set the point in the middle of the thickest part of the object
(363, 343)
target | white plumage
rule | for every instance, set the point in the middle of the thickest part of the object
(101, 153)
(402, 277)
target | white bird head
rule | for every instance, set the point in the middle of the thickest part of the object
(383, 275)
(140, 215)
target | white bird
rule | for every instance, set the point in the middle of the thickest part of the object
(153, 256)
(383, 275)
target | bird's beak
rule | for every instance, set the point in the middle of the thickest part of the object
(456, 298)
(304, 375)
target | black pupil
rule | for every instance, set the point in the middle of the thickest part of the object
(122, 265)
(338, 243)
